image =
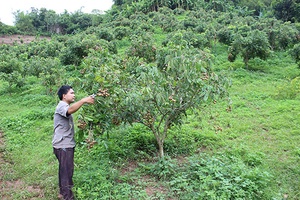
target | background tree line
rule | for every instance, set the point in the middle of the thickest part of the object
(47, 22)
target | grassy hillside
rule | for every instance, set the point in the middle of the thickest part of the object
(249, 148)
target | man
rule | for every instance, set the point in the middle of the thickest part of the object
(63, 138)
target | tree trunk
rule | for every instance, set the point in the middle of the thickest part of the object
(160, 148)
(159, 140)
(246, 60)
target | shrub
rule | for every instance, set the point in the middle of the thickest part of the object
(7, 30)
(164, 169)
(249, 45)
(290, 90)
(295, 53)
(187, 38)
(142, 46)
(105, 34)
(225, 35)
(121, 31)
(219, 177)
(78, 47)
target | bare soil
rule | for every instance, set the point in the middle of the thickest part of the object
(19, 39)
(152, 187)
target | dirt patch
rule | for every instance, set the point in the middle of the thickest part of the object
(152, 187)
(131, 166)
(19, 39)
(10, 187)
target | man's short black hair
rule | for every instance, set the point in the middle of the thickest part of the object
(63, 90)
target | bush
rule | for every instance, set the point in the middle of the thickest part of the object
(219, 177)
(7, 30)
(168, 23)
(187, 38)
(44, 48)
(295, 53)
(121, 31)
(164, 169)
(105, 34)
(190, 23)
(130, 142)
(290, 90)
(142, 46)
(225, 35)
(78, 47)
(250, 45)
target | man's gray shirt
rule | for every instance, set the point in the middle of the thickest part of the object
(63, 136)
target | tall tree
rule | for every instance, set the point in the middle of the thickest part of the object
(24, 22)
(288, 10)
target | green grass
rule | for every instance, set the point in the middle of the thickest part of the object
(258, 137)
(27, 128)
(263, 125)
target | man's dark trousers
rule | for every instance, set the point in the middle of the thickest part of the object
(65, 158)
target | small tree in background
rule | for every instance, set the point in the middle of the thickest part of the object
(11, 71)
(295, 53)
(24, 22)
(254, 44)
(143, 47)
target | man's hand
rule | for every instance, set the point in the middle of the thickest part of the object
(89, 99)
(74, 107)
